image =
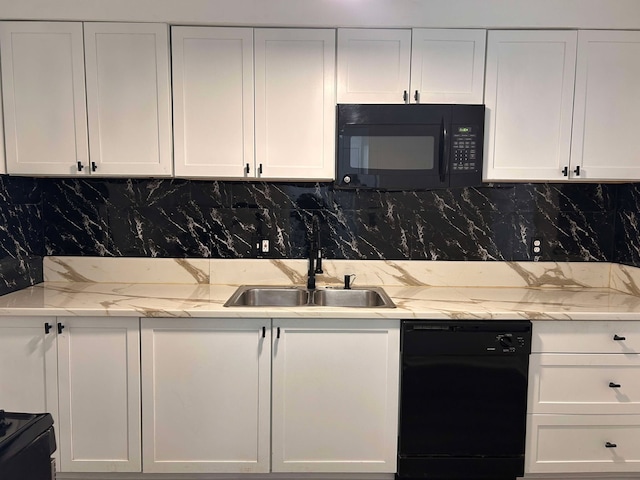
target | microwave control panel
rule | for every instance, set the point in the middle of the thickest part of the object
(465, 148)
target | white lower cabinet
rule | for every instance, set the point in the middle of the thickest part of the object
(583, 443)
(210, 404)
(86, 373)
(29, 366)
(99, 388)
(335, 395)
(206, 395)
(584, 398)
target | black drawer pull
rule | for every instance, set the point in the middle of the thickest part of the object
(610, 445)
(618, 338)
(278, 333)
(264, 334)
(614, 385)
(47, 328)
(60, 328)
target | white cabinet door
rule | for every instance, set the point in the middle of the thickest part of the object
(529, 98)
(44, 98)
(3, 163)
(213, 101)
(99, 386)
(584, 384)
(295, 103)
(447, 66)
(335, 395)
(128, 98)
(373, 65)
(28, 366)
(582, 443)
(206, 395)
(607, 106)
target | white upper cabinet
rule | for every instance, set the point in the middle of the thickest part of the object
(220, 131)
(607, 105)
(44, 97)
(447, 66)
(127, 130)
(213, 101)
(529, 99)
(295, 103)
(3, 165)
(410, 66)
(128, 98)
(373, 65)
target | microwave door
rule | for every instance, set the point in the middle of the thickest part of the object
(391, 157)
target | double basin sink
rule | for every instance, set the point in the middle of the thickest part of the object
(294, 296)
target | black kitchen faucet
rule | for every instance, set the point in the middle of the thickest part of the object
(315, 254)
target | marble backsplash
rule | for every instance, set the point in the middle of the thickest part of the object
(176, 218)
(21, 237)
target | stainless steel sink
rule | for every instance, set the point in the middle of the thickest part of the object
(354, 297)
(249, 296)
(274, 296)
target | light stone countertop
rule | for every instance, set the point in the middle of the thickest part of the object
(162, 300)
(76, 286)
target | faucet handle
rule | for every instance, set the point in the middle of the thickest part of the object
(319, 262)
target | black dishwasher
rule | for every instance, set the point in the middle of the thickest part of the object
(463, 399)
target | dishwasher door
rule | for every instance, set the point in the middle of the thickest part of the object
(463, 399)
(463, 405)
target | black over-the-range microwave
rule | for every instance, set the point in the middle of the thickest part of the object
(409, 147)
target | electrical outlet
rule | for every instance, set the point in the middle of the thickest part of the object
(536, 246)
(261, 246)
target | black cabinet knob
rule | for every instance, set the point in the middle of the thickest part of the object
(618, 338)
(610, 445)
(614, 385)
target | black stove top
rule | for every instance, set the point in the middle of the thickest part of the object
(18, 430)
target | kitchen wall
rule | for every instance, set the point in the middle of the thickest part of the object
(189, 218)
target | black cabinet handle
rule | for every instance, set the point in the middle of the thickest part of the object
(618, 338)
(565, 171)
(264, 332)
(246, 168)
(94, 167)
(610, 445)
(260, 169)
(60, 327)
(614, 385)
(278, 333)
(80, 166)
(416, 96)
(47, 328)
(577, 171)
(405, 96)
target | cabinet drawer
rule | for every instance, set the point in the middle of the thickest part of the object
(595, 384)
(582, 443)
(586, 337)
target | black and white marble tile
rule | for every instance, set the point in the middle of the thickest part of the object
(21, 239)
(180, 218)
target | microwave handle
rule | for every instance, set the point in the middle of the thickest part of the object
(444, 153)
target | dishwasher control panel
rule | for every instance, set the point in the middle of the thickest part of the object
(460, 337)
